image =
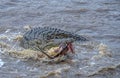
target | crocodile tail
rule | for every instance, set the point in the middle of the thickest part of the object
(79, 38)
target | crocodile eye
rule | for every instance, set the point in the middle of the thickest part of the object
(38, 42)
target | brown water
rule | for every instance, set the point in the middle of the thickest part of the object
(97, 19)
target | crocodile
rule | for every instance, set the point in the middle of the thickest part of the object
(42, 37)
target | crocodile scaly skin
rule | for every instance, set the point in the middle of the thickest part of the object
(40, 36)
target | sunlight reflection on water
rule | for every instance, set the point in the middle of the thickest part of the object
(1, 63)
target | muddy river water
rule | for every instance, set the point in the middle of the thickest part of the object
(99, 20)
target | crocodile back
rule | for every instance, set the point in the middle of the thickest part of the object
(46, 34)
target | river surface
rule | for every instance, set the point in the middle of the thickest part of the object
(99, 20)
